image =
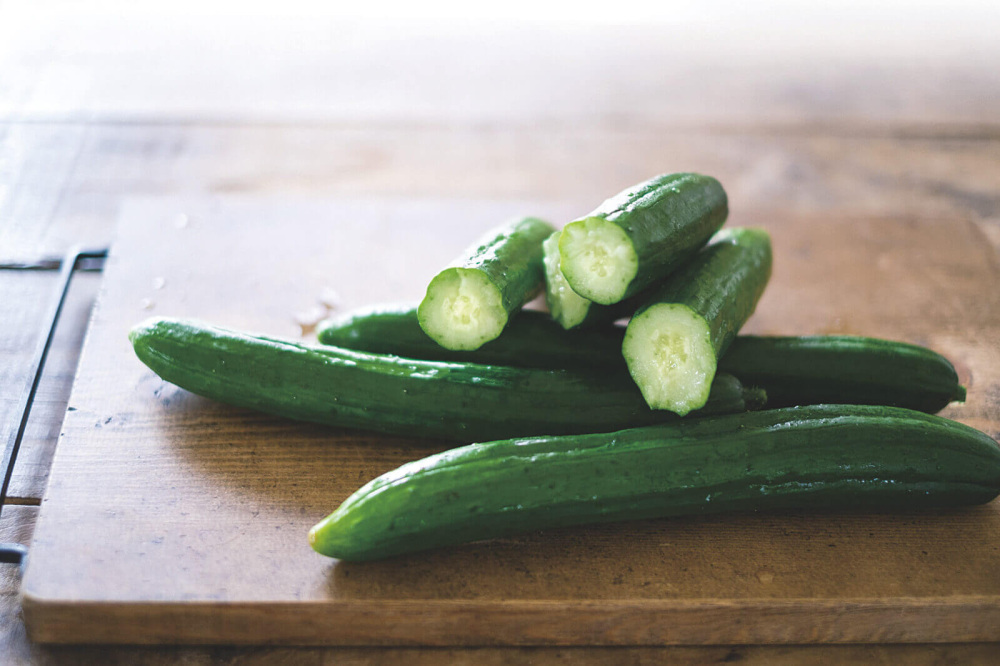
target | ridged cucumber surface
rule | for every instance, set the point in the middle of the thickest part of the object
(805, 370)
(798, 370)
(829, 456)
(531, 340)
(640, 235)
(469, 303)
(340, 387)
(673, 343)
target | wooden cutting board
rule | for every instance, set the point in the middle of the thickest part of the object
(169, 518)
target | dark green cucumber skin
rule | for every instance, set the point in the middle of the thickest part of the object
(827, 456)
(722, 283)
(804, 370)
(599, 316)
(511, 257)
(667, 218)
(867, 371)
(531, 340)
(340, 387)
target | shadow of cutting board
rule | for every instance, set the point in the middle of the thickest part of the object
(169, 518)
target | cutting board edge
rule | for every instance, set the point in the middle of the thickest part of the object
(522, 623)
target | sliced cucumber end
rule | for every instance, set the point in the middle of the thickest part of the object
(669, 352)
(566, 306)
(598, 259)
(462, 310)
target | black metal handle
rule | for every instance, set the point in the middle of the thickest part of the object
(15, 553)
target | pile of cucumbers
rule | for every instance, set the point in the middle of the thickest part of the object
(583, 420)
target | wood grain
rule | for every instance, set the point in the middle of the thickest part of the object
(819, 119)
(829, 174)
(23, 326)
(209, 504)
(25, 297)
(17, 524)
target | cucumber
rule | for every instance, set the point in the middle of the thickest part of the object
(839, 368)
(340, 387)
(570, 309)
(641, 235)
(806, 370)
(829, 456)
(469, 303)
(531, 340)
(673, 343)
(566, 306)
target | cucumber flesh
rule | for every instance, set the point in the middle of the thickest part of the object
(720, 286)
(469, 302)
(598, 259)
(669, 352)
(800, 370)
(530, 340)
(633, 240)
(570, 309)
(566, 306)
(463, 309)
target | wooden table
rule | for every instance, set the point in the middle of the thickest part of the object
(821, 115)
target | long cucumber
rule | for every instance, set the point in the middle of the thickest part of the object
(531, 340)
(806, 370)
(640, 235)
(470, 302)
(829, 456)
(455, 401)
(673, 343)
(793, 370)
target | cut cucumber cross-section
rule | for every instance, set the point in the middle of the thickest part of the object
(530, 340)
(463, 309)
(565, 305)
(809, 370)
(673, 343)
(599, 259)
(641, 235)
(675, 360)
(469, 303)
(571, 309)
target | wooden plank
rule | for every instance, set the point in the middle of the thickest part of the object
(31, 471)
(724, 65)
(21, 293)
(37, 162)
(836, 176)
(17, 524)
(199, 535)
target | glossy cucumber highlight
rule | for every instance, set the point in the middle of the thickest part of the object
(828, 456)
(454, 401)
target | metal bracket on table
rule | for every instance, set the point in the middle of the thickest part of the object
(75, 259)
